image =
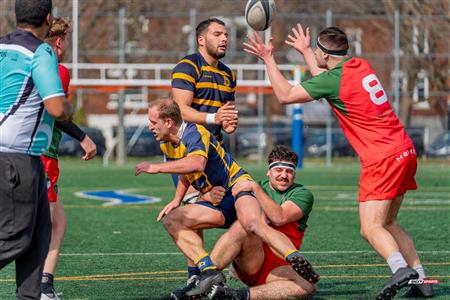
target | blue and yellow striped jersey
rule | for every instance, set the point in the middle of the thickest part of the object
(221, 168)
(212, 86)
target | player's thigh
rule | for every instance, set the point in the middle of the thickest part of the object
(251, 258)
(196, 216)
(374, 213)
(248, 210)
(393, 209)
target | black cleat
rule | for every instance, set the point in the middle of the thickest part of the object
(424, 290)
(206, 280)
(304, 269)
(180, 293)
(219, 292)
(397, 281)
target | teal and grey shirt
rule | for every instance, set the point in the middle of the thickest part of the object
(28, 77)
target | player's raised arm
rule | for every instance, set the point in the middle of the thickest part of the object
(301, 41)
(285, 92)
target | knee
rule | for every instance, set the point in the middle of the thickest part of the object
(171, 223)
(363, 232)
(237, 232)
(251, 226)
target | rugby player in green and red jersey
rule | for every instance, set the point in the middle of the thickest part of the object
(386, 152)
(58, 38)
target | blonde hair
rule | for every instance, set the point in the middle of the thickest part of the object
(59, 29)
(167, 108)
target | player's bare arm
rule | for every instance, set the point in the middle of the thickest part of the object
(285, 92)
(185, 165)
(278, 215)
(301, 41)
(180, 192)
(59, 108)
(184, 98)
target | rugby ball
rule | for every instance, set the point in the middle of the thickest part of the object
(260, 13)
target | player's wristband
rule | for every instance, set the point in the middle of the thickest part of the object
(71, 129)
(210, 119)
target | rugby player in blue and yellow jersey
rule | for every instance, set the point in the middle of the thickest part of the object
(194, 154)
(203, 86)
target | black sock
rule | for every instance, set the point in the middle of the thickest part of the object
(243, 293)
(47, 283)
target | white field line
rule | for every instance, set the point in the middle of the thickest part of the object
(177, 253)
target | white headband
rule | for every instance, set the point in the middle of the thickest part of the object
(282, 164)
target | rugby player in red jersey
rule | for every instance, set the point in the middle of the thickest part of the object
(387, 154)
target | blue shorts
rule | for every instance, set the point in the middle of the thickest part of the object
(226, 207)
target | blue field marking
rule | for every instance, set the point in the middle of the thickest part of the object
(117, 197)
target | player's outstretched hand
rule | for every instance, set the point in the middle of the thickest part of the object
(299, 40)
(168, 208)
(145, 167)
(226, 112)
(243, 185)
(214, 196)
(89, 147)
(257, 47)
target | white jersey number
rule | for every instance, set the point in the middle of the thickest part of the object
(373, 86)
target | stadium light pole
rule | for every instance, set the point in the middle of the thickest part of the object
(121, 109)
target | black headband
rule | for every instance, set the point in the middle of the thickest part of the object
(331, 52)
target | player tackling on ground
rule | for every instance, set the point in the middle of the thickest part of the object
(387, 154)
(287, 206)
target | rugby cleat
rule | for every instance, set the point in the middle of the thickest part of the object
(219, 292)
(304, 269)
(206, 280)
(397, 281)
(419, 291)
(50, 295)
(180, 293)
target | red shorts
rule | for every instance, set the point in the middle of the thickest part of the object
(389, 178)
(52, 170)
(271, 260)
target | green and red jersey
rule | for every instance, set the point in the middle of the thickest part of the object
(57, 134)
(362, 108)
(298, 194)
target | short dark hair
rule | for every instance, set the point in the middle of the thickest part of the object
(203, 25)
(167, 108)
(32, 12)
(282, 153)
(334, 39)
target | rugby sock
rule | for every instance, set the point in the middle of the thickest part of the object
(419, 268)
(204, 262)
(192, 271)
(243, 293)
(291, 254)
(396, 261)
(47, 283)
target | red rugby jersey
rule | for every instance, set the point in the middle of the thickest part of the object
(362, 108)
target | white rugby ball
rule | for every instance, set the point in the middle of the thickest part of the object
(260, 13)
